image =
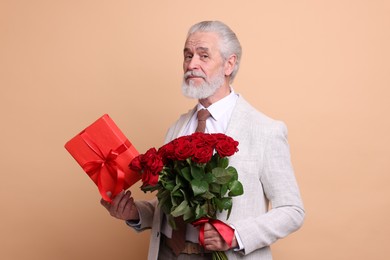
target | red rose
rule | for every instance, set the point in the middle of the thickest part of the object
(149, 178)
(203, 154)
(182, 139)
(149, 165)
(183, 149)
(135, 164)
(220, 136)
(201, 140)
(210, 140)
(167, 152)
(153, 161)
(226, 146)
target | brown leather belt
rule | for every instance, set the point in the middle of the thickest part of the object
(189, 248)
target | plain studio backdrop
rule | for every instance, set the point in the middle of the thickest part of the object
(320, 66)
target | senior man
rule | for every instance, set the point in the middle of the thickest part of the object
(271, 207)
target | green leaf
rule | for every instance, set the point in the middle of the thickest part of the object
(186, 173)
(223, 162)
(188, 214)
(181, 209)
(208, 195)
(189, 161)
(177, 193)
(197, 210)
(176, 196)
(215, 188)
(186, 196)
(211, 207)
(231, 170)
(223, 203)
(224, 189)
(221, 175)
(200, 212)
(150, 188)
(163, 195)
(209, 178)
(197, 172)
(164, 200)
(180, 181)
(173, 201)
(177, 187)
(166, 208)
(229, 211)
(199, 186)
(236, 188)
(213, 163)
(168, 185)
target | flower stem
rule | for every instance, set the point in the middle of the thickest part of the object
(219, 255)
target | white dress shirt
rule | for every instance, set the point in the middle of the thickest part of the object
(220, 111)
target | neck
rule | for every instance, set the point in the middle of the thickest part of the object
(221, 92)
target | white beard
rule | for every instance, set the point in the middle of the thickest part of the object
(205, 89)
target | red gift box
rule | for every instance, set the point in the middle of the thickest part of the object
(104, 153)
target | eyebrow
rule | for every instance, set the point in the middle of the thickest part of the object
(198, 49)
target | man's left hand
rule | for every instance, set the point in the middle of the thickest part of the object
(213, 241)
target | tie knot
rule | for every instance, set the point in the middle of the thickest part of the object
(203, 114)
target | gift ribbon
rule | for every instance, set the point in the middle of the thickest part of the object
(226, 232)
(105, 165)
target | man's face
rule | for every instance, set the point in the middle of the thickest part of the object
(203, 65)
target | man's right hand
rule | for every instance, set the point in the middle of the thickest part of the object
(122, 206)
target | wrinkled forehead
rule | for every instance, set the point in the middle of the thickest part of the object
(202, 40)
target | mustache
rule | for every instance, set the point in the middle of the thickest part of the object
(192, 73)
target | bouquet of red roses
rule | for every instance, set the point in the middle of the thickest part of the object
(193, 178)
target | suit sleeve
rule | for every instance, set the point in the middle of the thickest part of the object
(280, 188)
(146, 212)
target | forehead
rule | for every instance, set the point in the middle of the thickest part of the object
(202, 40)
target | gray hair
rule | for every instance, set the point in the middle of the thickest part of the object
(229, 43)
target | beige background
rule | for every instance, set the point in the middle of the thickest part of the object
(320, 66)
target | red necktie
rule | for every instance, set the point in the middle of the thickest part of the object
(203, 114)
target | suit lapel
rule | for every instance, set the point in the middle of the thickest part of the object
(183, 123)
(236, 122)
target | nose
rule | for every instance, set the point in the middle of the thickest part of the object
(192, 64)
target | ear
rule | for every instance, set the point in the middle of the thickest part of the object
(229, 64)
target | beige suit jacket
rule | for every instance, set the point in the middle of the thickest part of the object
(271, 206)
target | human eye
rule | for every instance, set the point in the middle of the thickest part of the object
(187, 56)
(204, 56)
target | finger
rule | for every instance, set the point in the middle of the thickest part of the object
(129, 192)
(108, 193)
(210, 231)
(123, 202)
(116, 201)
(105, 204)
(208, 227)
(130, 211)
(130, 201)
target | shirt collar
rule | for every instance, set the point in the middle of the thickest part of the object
(218, 108)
